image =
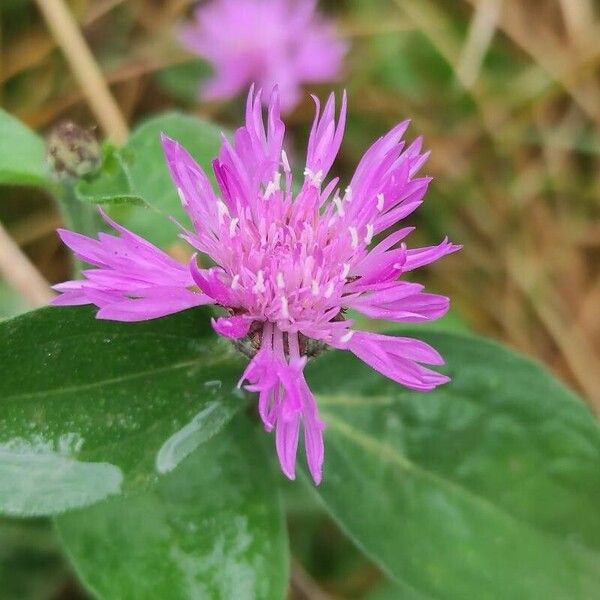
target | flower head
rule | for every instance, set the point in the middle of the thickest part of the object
(287, 265)
(268, 42)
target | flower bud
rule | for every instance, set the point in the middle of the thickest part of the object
(72, 151)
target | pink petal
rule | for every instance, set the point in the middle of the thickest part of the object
(235, 327)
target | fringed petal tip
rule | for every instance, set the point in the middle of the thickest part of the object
(400, 359)
(286, 404)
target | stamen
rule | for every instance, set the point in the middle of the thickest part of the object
(259, 287)
(329, 289)
(273, 186)
(380, 201)
(347, 336)
(370, 232)
(286, 162)
(315, 179)
(338, 204)
(354, 234)
(348, 194)
(280, 280)
(234, 282)
(222, 210)
(345, 271)
(182, 196)
(315, 287)
(284, 308)
(232, 225)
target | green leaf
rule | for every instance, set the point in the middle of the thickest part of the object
(109, 184)
(11, 302)
(488, 487)
(388, 591)
(31, 563)
(39, 480)
(214, 528)
(22, 154)
(86, 404)
(138, 174)
(149, 176)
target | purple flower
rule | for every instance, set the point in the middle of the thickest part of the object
(268, 42)
(287, 266)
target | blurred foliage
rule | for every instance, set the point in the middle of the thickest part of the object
(31, 563)
(506, 95)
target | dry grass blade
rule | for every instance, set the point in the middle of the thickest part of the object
(84, 67)
(481, 32)
(21, 274)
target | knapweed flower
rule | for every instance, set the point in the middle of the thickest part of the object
(288, 265)
(267, 42)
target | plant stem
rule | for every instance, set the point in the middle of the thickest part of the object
(78, 216)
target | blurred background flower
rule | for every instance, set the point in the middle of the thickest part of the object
(266, 42)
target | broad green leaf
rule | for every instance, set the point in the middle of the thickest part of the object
(214, 528)
(38, 479)
(109, 184)
(488, 487)
(22, 154)
(11, 302)
(31, 563)
(149, 177)
(451, 322)
(86, 405)
(388, 591)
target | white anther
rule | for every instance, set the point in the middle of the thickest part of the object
(222, 210)
(182, 196)
(380, 201)
(315, 287)
(259, 287)
(329, 289)
(232, 225)
(348, 194)
(285, 162)
(354, 234)
(272, 187)
(234, 282)
(370, 232)
(345, 271)
(284, 308)
(315, 178)
(347, 337)
(338, 204)
(280, 280)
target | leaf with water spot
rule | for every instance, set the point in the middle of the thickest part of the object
(36, 481)
(201, 428)
(86, 404)
(214, 528)
(488, 487)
